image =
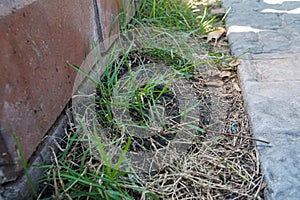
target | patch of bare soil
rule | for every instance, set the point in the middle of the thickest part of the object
(222, 163)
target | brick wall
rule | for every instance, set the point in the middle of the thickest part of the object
(38, 38)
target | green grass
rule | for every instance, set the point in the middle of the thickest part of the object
(24, 164)
(175, 15)
(111, 75)
(77, 173)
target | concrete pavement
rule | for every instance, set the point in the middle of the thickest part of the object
(265, 35)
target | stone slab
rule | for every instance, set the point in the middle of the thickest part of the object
(266, 34)
(272, 68)
(280, 163)
(273, 107)
(261, 27)
(271, 89)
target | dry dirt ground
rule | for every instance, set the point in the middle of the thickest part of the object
(221, 163)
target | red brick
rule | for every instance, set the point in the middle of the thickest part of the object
(109, 14)
(36, 82)
(38, 38)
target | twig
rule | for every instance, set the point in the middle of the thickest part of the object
(246, 137)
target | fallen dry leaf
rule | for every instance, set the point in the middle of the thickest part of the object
(216, 74)
(215, 35)
(236, 87)
(225, 74)
(227, 69)
(217, 83)
(263, 186)
(235, 63)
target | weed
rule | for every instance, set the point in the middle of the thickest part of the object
(77, 175)
(24, 163)
(138, 139)
(176, 15)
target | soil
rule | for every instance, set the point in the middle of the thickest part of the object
(219, 163)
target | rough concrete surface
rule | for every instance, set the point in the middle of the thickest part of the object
(267, 35)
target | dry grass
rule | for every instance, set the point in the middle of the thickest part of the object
(221, 163)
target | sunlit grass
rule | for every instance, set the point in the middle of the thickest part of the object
(77, 172)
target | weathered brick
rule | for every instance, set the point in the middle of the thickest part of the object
(38, 38)
(37, 42)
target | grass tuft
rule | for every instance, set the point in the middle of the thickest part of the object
(113, 152)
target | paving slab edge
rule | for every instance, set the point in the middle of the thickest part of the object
(270, 118)
(277, 185)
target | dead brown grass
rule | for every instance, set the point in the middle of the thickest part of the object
(224, 163)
